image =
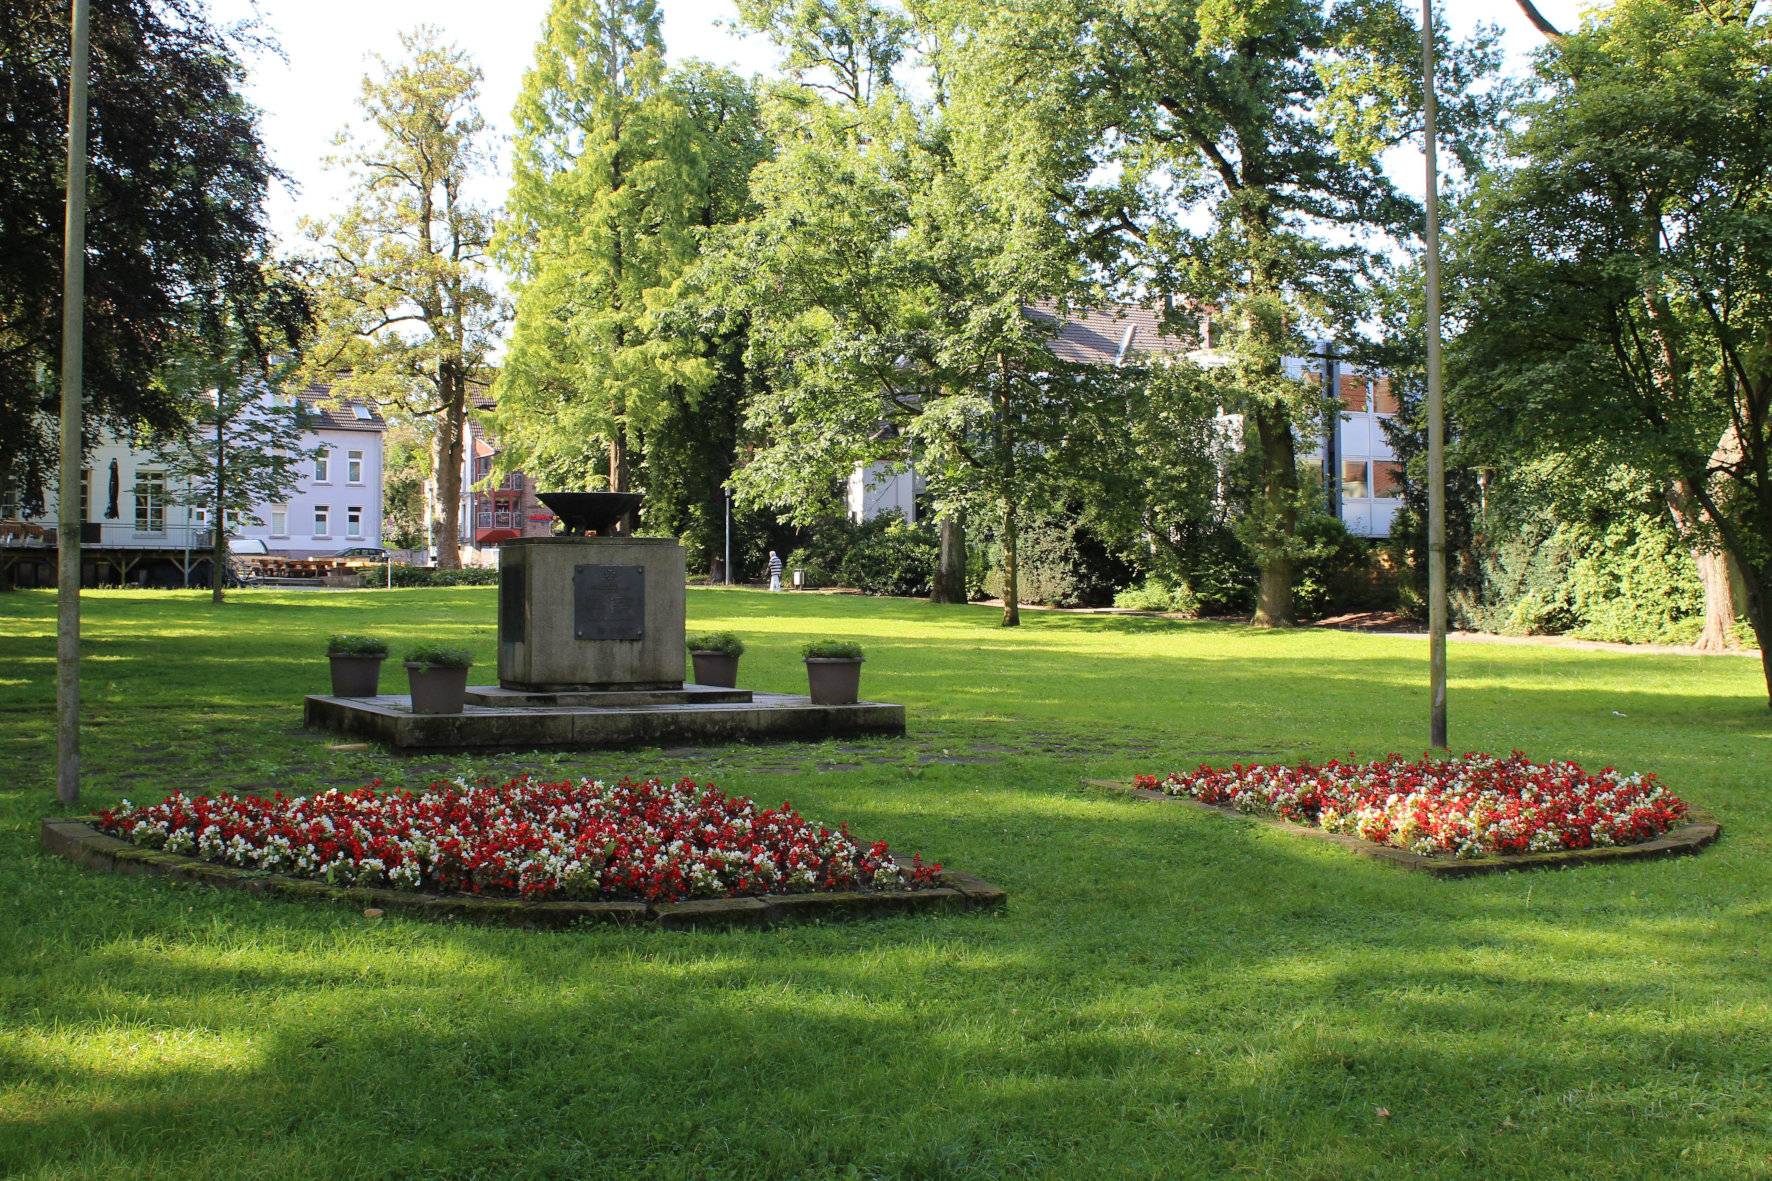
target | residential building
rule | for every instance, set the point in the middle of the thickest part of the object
(131, 512)
(491, 513)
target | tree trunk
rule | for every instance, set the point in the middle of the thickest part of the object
(950, 569)
(1011, 566)
(218, 533)
(1279, 493)
(448, 461)
(1713, 571)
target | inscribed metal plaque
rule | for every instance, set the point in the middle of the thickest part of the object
(608, 602)
(511, 580)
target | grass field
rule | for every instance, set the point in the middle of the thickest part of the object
(1169, 994)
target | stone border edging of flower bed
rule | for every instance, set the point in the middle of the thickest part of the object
(79, 842)
(1700, 831)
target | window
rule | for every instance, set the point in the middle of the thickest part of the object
(11, 502)
(199, 516)
(1353, 480)
(361, 411)
(322, 520)
(1384, 399)
(1387, 479)
(86, 495)
(354, 467)
(354, 521)
(1352, 387)
(279, 520)
(150, 502)
(323, 466)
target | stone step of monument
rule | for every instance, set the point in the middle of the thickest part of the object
(689, 694)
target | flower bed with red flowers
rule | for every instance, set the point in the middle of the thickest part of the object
(1475, 806)
(650, 841)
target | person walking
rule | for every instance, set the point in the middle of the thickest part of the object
(774, 571)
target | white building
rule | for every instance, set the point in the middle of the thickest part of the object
(1362, 478)
(127, 504)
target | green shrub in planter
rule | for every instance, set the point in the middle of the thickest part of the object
(833, 671)
(725, 643)
(346, 644)
(439, 656)
(831, 650)
(356, 664)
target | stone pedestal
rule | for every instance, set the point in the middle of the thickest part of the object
(590, 613)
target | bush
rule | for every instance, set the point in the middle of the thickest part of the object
(725, 643)
(888, 557)
(432, 576)
(1628, 581)
(1061, 563)
(831, 650)
(350, 645)
(1340, 572)
(439, 656)
(1155, 595)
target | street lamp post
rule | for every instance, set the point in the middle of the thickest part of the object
(1436, 406)
(68, 548)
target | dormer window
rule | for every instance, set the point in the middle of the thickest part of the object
(361, 411)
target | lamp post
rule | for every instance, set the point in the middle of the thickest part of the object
(1436, 406)
(68, 548)
(728, 537)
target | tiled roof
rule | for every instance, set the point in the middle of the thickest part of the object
(1095, 336)
(342, 415)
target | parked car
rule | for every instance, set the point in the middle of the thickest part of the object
(365, 552)
(247, 545)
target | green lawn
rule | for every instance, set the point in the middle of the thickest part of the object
(1169, 993)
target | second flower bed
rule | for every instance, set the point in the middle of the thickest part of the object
(1475, 806)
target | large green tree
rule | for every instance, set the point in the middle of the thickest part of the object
(1230, 154)
(177, 178)
(1619, 272)
(890, 272)
(608, 187)
(406, 311)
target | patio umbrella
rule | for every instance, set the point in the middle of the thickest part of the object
(111, 499)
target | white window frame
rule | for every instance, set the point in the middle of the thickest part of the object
(323, 521)
(153, 501)
(279, 520)
(353, 467)
(323, 466)
(354, 521)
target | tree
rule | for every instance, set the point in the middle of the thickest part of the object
(1230, 153)
(406, 465)
(1617, 277)
(889, 274)
(407, 314)
(176, 185)
(607, 185)
(241, 447)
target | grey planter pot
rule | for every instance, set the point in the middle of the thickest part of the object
(715, 668)
(356, 676)
(437, 690)
(833, 682)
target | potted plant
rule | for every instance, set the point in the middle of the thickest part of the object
(716, 658)
(439, 678)
(356, 664)
(833, 671)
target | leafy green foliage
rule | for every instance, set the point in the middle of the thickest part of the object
(404, 575)
(351, 644)
(439, 656)
(725, 643)
(407, 313)
(177, 179)
(831, 650)
(1155, 595)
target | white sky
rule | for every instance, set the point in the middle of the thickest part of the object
(327, 45)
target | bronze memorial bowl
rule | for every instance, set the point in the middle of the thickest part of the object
(590, 512)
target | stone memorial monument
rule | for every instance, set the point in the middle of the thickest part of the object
(590, 654)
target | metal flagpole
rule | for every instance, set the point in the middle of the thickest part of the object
(68, 549)
(728, 537)
(1436, 406)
